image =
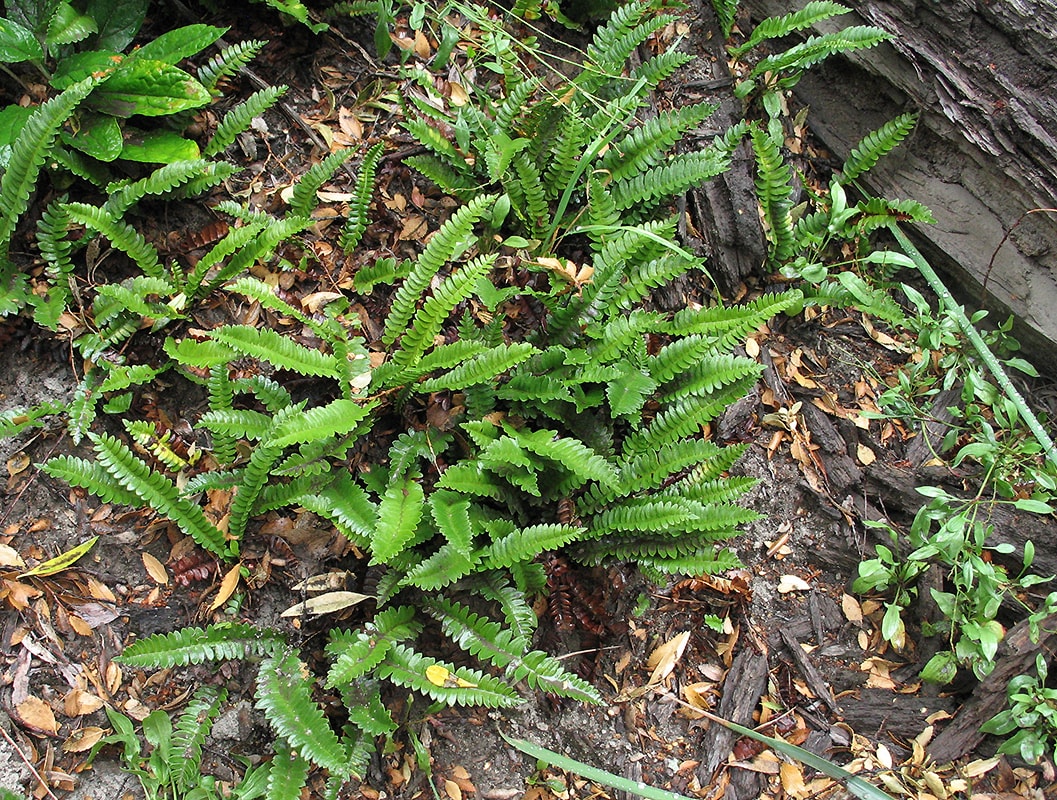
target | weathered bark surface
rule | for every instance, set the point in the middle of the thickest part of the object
(983, 77)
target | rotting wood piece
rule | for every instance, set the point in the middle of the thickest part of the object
(1016, 654)
(743, 687)
(812, 677)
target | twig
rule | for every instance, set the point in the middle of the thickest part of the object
(28, 763)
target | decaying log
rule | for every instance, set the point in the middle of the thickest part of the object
(981, 75)
(1016, 654)
(743, 687)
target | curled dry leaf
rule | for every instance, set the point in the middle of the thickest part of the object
(78, 702)
(851, 608)
(666, 656)
(37, 715)
(83, 739)
(155, 569)
(792, 583)
(326, 603)
(9, 557)
(227, 587)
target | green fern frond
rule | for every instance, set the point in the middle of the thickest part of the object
(470, 477)
(485, 367)
(90, 475)
(269, 345)
(613, 43)
(122, 235)
(252, 479)
(533, 209)
(659, 68)
(643, 278)
(158, 492)
(444, 245)
(617, 335)
(571, 140)
(571, 454)
(356, 653)
(525, 544)
(452, 515)
(706, 562)
(212, 174)
(514, 103)
(488, 640)
(718, 490)
(210, 269)
(206, 354)
(284, 693)
(648, 144)
(729, 325)
(450, 685)
(674, 176)
(303, 201)
(879, 213)
(287, 774)
(259, 291)
(399, 513)
(190, 731)
(221, 642)
(451, 179)
(431, 138)
(430, 318)
(512, 601)
(239, 118)
(777, 27)
(710, 373)
(221, 400)
(443, 568)
(55, 248)
(726, 13)
(357, 220)
(28, 153)
(877, 144)
(124, 195)
(345, 503)
(816, 49)
(774, 189)
(237, 423)
(227, 62)
(685, 417)
(336, 418)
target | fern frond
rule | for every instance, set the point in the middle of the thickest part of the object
(220, 642)
(726, 12)
(571, 454)
(877, 144)
(777, 27)
(212, 174)
(303, 200)
(124, 195)
(430, 137)
(818, 48)
(284, 693)
(252, 479)
(239, 423)
(648, 144)
(90, 475)
(366, 709)
(430, 318)
(685, 417)
(525, 544)
(711, 373)
(659, 68)
(488, 640)
(774, 189)
(399, 513)
(533, 208)
(345, 503)
(729, 325)
(643, 278)
(571, 140)
(673, 177)
(122, 235)
(356, 653)
(470, 477)
(709, 561)
(239, 118)
(451, 239)
(513, 602)
(438, 170)
(207, 271)
(443, 568)
(485, 367)
(27, 157)
(190, 731)
(55, 248)
(158, 492)
(879, 213)
(287, 774)
(356, 223)
(269, 345)
(613, 43)
(718, 490)
(445, 683)
(336, 418)
(227, 62)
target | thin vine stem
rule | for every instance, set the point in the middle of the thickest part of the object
(989, 359)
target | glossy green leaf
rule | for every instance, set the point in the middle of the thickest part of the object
(97, 135)
(149, 88)
(69, 26)
(118, 21)
(79, 66)
(173, 46)
(157, 147)
(18, 43)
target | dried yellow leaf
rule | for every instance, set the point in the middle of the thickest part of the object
(792, 779)
(663, 660)
(227, 587)
(9, 557)
(37, 714)
(83, 739)
(78, 702)
(155, 569)
(453, 790)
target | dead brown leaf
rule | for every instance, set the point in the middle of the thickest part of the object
(155, 569)
(79, 702)
(37, 715)
(227, 587)
(83, 739)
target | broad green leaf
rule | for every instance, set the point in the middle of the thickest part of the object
(61, 562)
(98, 135)
(18, 43)
(69, 26)
(398, 517)
(79, 66)
(12, 119)
(179, 44)
(157, 147)
(118, 21)
(1035, 506)
(150, 88)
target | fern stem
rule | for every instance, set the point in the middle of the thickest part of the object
(989, 359)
